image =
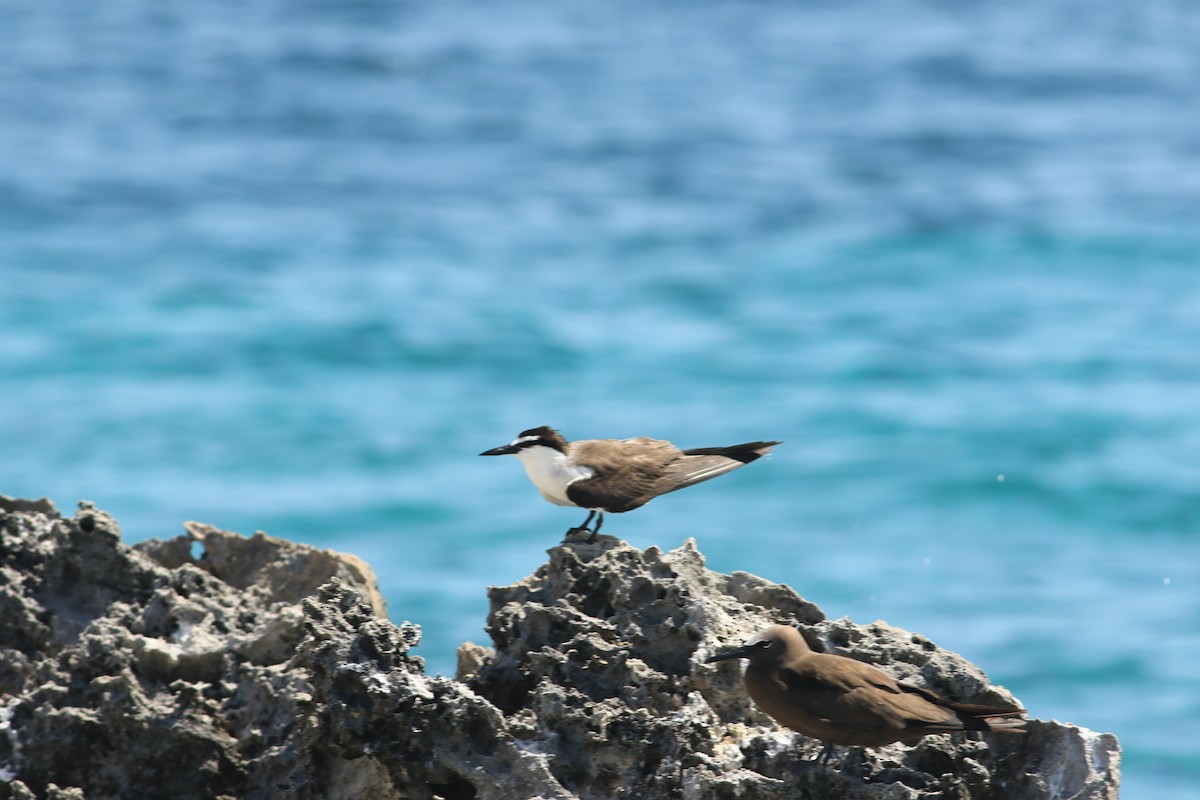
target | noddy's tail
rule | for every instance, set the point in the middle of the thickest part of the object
(1005, 725)
(983, 710)
(997, 719)
(992, 723)
(976, 716)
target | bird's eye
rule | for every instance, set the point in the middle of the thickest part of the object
(763, 645)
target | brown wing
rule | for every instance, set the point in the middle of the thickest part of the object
(625, 472)
(859, 699)
(851, 695)
(975, 709)
(974, 716)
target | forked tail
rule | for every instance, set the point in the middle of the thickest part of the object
(745, 453)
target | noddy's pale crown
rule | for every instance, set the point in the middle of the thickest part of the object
(618, 475)
(843, 701)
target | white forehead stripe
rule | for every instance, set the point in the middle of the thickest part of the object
(524, 439)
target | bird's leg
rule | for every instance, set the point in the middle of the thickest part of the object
(596, 530)
(825, 754)
(799, 767)
(582, 527)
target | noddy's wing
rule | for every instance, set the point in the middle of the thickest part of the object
(704, 463)
(859, 698)
(974, 716)
(849, 693)
(975, 709)
(624, 472)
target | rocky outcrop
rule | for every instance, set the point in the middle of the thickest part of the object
(600, 655)
(265, 669)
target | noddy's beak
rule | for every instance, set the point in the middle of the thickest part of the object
(737, 652)
(503, 450)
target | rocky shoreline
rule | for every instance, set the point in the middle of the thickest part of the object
(268, 669)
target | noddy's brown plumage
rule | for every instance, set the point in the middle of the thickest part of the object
(843, 701)
(618, 475)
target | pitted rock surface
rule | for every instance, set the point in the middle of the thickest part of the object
(266, 669)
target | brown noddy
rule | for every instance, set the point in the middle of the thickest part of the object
(843, 701)
(617, 475)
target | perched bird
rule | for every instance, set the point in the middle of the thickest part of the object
(617, 475)
(842, 701)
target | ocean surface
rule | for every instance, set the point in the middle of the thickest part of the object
(291, 266)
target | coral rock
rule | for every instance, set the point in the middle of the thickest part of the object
(266, 669)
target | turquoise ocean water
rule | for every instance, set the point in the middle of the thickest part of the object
(290, 266)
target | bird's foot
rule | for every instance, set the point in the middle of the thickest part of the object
(573, 534)
(584, 527)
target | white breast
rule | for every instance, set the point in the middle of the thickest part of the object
(551, 472)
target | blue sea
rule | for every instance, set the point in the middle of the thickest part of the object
(291, 266)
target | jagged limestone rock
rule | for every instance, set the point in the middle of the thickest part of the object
(287, 570)
(125, 677)
(605, 645)
(264, 670)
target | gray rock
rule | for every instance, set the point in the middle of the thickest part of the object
(605, 646)
(265, 669)
(288, 571)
